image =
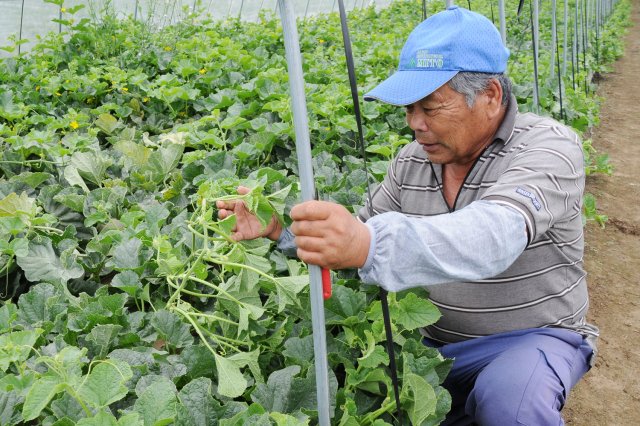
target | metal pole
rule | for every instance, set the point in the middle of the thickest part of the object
(303, 151)
(306, 9)
(566, 31)
(554, 33)
(20, 33)
(449, 3)
(534, 30)
(240, 11)
(135, 12)
(503, 22)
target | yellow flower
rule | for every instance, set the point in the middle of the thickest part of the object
(58, 94)
(320, 41)
(63, 10)
(145, 99)
(168, 48)
(37, 88)
(203, 70)
(124, 89)
(74, 125)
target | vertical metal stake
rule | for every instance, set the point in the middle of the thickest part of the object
(566, 31)
(554, 34)
(20, 33)
(534, 30)
(503, 22)
(303, 151)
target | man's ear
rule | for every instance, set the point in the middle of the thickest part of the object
(493, 94)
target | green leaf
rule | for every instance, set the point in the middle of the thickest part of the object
(105, 383)
(8, 314)
(67, 407)
(22, 206)
(164, 160)
(285, 393)
(41, 304)
(42, 264)
(157, 403)
(231, 122)
(299, 351)
(373, 355)
(127, 281)
(419, 396)
(102, 337)
(254, 415)
(9, 402)
(197, 405)
(273, 395)
(16, 346)
(38, 397)
(32, 179)
(287, 420)
(231, 382)
(102, 418)
(107, 123)
(91, 166)
(172, 329)
(250, 359)
(413, 312)
(344, 303)
(288, 289)
(126, 254)
(72, 176)
(134, 153)
(131, 419)
(197, 358)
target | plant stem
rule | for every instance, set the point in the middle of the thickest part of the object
(198, 330)
(385, 408)
(213, 317)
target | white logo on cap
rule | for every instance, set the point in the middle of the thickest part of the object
(424, 59)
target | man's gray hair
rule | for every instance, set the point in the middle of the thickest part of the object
(470, 84)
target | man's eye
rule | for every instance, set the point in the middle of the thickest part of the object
(409, 109)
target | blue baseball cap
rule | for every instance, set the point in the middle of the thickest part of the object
(446, 43)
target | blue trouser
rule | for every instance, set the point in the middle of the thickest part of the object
(516, 378)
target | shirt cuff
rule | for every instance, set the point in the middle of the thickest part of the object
(286, 243)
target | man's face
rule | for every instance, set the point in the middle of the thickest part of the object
(449, 131)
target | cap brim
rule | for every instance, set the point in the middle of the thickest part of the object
(406, 87)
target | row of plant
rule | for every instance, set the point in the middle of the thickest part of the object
(125, 300)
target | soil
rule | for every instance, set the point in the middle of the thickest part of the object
(610, 393)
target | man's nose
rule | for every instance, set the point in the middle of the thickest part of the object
(417, 121)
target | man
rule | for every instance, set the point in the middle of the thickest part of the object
(484, 210)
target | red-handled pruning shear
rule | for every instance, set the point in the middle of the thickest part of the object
(326, 283)
(326, 273)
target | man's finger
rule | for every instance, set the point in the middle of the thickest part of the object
(310, 257)
(312, 244)
(309, 228)
(311, 210)
(223, 213)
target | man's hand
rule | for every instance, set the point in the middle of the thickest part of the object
(248, 227)
(328, 235)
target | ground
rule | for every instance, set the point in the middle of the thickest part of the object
(610, 393)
